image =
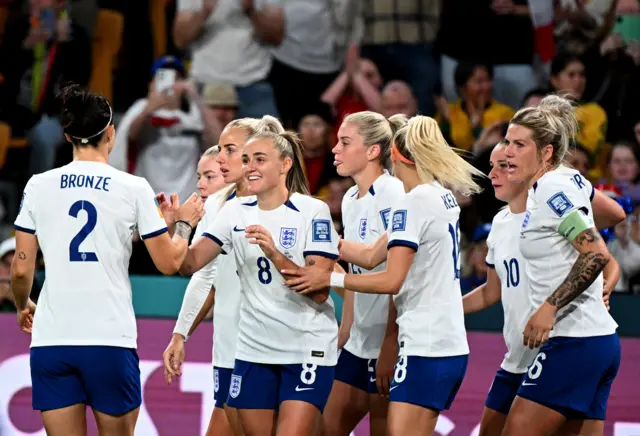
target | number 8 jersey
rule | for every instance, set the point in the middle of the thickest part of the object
(430, 314)
(84, 215)
(278, 326)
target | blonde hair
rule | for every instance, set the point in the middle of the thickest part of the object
(252, 126)
(553, 121)
(421, 141)
(211, 151)
(375, 129)
(289, 145)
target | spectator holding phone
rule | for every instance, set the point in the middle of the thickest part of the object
(42, 48)
(160, 136)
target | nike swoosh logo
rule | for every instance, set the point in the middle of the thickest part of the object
(392, 388)
(236, 229)
(372, 379)
(524, 383)
(299, 389)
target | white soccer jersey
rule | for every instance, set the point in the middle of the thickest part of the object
(505, 257)
(550, 256)
(430, 314)
(84, 215)
(364, 220)
(221, 273)
(278, 326)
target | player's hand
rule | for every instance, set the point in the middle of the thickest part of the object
(308, 279)
(25, 317)
(258, 235)
(168, 207)
(537, 330)
(173, 357)
(386, 365)
(607, 289)
(191, 210)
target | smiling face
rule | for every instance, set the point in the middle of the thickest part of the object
(210, 179)
(504, 189)
(264, 167)
(232, 141)
(523, 158)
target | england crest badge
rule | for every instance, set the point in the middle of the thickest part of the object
(235, 386)
(362, 232)
(288, 237)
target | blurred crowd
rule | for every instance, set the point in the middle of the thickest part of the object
(177, 71)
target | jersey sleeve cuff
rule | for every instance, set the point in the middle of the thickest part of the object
(331, 256)
(593, 193)
(24, 229)
(154, 234)
(215, 239)
(402, 243)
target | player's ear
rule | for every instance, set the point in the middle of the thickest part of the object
(287, 163)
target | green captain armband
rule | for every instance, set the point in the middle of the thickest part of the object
(574, 224)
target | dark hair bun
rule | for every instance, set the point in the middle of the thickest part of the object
(84, 114)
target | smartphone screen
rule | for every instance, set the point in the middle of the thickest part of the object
(628, 26)
(48, 20)
(165, 79)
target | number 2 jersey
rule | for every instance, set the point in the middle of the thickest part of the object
(430, 313)
(364, 220)
(84, 215)
(550, 256)
(505, 257)
(278, 326)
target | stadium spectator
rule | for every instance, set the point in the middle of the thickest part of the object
(43, 47)
(356, 89)
(229, 42)
(160, 137)
(475, 269)
(533, 97)
(464, 119)
(579, 23)
(315, 133)
(310, 56)
(397, 98)
(580, 159)
(625, 248)
(7, 300)
(624, 168)
(496, 32)
(401, 44)
(218, 106)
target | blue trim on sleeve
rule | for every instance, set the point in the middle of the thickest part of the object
(490, 265)
(214, 239)
(321, 254)
(402, 243)
(593, 193)
(24, 229)
(154, 234)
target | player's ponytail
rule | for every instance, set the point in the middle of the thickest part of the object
(85, 116)
(421, 143)
(296, 177)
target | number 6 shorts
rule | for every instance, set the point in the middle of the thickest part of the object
(265, 386)
(573, 376)
(430, 382)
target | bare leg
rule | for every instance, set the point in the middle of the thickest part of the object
(68, 421)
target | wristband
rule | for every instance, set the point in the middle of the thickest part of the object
(186, 222)
(337, 280)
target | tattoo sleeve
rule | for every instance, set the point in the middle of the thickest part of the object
(183, 230)
(584, 272)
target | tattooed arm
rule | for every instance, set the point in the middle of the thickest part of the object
(23, 268)
(594, 256)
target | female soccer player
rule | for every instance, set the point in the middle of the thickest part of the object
(218, 279)
(210, 179)
(506, 281)
(362, 153)
(571, 375)
(83, 216)
(287, 344)
(423, 274)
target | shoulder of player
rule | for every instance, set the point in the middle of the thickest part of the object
(307, 204)
(555, 181)
(503, 215)
(350, 194)
(387, 187)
